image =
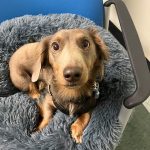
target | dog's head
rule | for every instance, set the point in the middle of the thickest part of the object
(75, 56)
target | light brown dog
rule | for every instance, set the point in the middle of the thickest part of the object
(68, 62)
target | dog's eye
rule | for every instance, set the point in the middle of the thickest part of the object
(55, 46)
(85, 44)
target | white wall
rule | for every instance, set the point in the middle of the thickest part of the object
(140, 13)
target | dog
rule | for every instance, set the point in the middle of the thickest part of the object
(66, 64)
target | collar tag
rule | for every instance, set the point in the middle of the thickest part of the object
(96, 90)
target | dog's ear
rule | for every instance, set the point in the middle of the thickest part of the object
(102, 49)
(36, 70)
(43, 58)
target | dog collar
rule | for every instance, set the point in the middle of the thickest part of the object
(95, 95)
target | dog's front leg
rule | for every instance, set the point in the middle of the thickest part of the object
(33, 90)
(47, 110)
(79, 125)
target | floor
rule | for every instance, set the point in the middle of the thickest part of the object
(147, 104)
(137, 133)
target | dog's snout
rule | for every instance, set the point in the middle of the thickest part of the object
(72, 74)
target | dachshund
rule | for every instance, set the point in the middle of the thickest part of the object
(67, 65)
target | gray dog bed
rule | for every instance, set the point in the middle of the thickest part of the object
(19, 114)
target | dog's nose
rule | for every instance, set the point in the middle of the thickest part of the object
(72, 74)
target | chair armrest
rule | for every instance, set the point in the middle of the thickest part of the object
(135, 51)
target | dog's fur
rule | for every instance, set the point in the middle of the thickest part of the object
(48, 59)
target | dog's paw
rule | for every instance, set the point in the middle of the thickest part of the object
(77, 131)
(42, 124)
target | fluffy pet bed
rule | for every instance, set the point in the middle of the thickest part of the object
(19, 114)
